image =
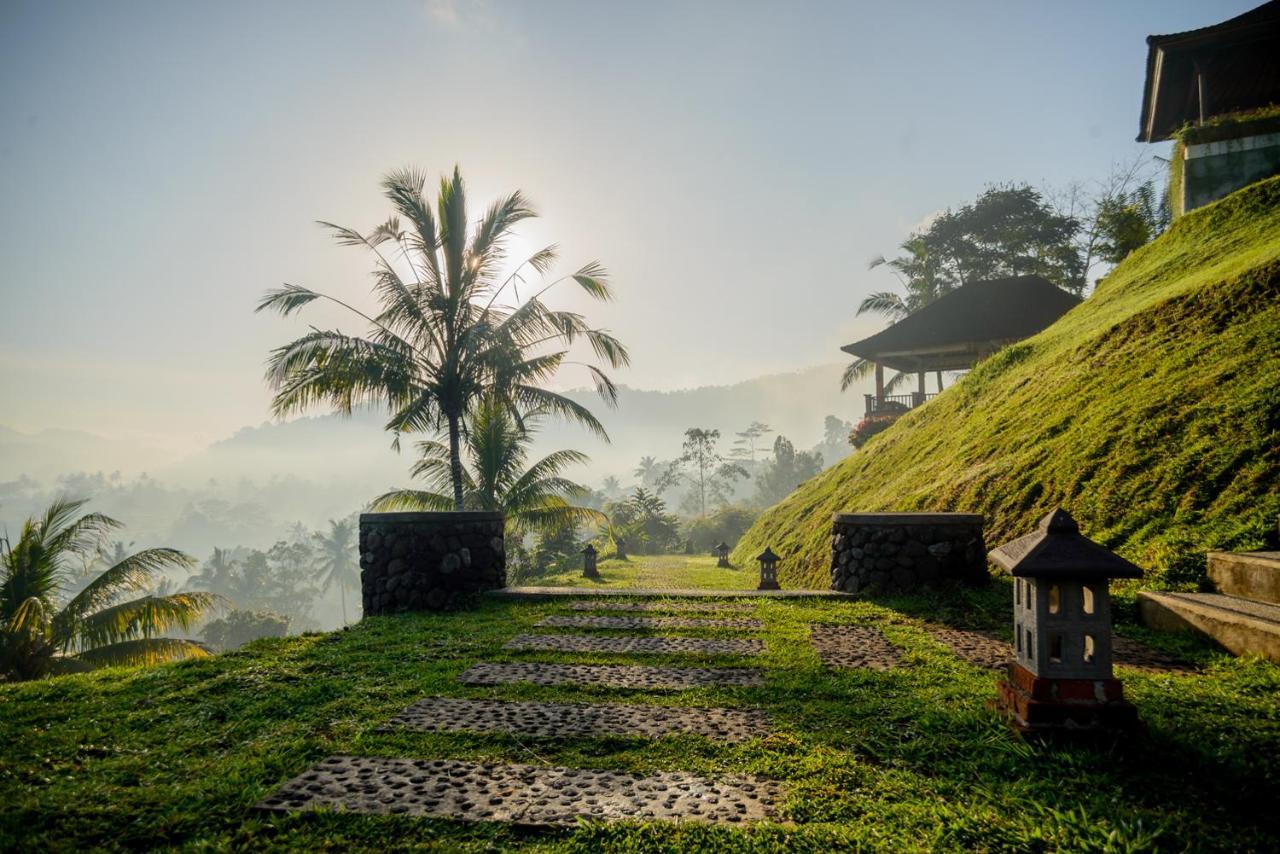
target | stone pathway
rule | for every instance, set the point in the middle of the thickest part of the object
(611, 676)
(985, 649)
(567, 720)
(854, 646)
(521, 794)
(671, 606)
(630, 645)
(646, 623)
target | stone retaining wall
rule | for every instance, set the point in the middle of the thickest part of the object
(906, 552)
(429, 561)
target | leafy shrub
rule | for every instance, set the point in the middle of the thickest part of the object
(239, 627)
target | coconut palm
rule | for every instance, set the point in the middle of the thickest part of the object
(918, 272)
(98, 625)
(337, 564)
(449, 329)
(534, 497)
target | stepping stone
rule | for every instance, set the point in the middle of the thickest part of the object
(611, 675)
(674, 607)
(981, 649)
(646, 623)
(854, 646)
(563, 720)
(532, 795)
(631, 644)
(984, 649)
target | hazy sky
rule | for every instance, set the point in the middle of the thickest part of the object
(735, 165)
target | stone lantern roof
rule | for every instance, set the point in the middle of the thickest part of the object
(767, 556)
(723, 547)
(1057, 550)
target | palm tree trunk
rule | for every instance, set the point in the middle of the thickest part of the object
(455, 461)
(342, 594)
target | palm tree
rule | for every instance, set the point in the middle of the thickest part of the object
(919, 274)
(97, 626)
(217, 573)
(534, 497)
(449, 329)
(336, 562)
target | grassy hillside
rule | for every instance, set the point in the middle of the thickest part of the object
(1151, 411)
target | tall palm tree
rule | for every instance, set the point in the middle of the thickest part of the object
(99, 625)
(449, 329)
(337, 564)
(534, 497)
(217, 573)
(918, 271)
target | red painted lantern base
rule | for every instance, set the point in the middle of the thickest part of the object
(1036, 704)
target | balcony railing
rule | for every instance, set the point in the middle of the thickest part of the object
(895, 404)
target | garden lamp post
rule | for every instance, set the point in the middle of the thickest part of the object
(1061, 677)
(589, 562)
(722, 556)
(768, 570)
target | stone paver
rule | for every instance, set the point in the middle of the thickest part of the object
(705, 607)
(564, 720)
(646, 623)
(985, 649)
(641, 645)
(611, 675)
(854, 646)
(521, 794)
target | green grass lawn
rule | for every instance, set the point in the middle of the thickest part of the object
(663, 572)
(910, 759)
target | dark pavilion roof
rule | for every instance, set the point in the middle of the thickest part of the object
(972, 322)
(1239, 60)
(1058, 551)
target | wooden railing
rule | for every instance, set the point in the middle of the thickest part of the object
(891, 404)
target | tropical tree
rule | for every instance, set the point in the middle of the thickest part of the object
(643, 521)
(704, 468)
(744, 447)
(450, 329)
(338, 566)
(499, 476)
(40, 634)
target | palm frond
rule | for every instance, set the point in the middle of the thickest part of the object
(532, 397)
(854, 371)
(884, 302)
(411, 500)
(144, 651)
(593, 279)
(145, 617)
(132, 574)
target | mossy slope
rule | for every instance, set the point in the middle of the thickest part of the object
(1151, 411)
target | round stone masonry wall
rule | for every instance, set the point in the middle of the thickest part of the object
(906, 552)
(429, 561)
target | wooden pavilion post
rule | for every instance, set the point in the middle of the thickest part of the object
(879, 386)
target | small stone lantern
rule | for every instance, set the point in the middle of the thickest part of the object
(1061, 677)
(620, 545)
(589, 562)
(722, 556)
(768, 570)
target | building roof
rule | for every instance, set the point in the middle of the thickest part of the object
(1057, 550)
(967, 324)
(1238, 62)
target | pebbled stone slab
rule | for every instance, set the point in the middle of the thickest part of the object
(531, 795)
(611, 676)
(636, 645)
(670, 606)
(647, 623)
(854, 646)
(982, 649)
(985, 649)
(565, 720)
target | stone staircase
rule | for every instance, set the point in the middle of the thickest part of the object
(1243, 616)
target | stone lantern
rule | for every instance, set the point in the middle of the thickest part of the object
(722, 556)
(1061, 677)
(768, 570)
(589, 562)
(620, 546)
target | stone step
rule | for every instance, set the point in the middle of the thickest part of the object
(635, 645)
(579, 720)
(1249, 575)
(1239, 625)
(845, 647)
(559, 622)
(611, 676)
(673, 606)
(531, 795)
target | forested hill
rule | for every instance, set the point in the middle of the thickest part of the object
(1151, 411)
